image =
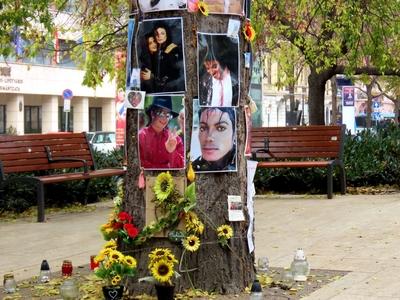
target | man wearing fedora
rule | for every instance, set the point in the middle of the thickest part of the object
(159, 147)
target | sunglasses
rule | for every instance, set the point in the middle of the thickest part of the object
(163, 114)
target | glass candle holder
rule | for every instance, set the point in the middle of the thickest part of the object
(9, 284)
(66, 268)
(69, 290)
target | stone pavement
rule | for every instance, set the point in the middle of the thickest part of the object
(359, 233)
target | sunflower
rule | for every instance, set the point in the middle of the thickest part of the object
(99, 258)
(249, 32)
(115, 256)
(191, 243)
(130, 261)
(225, 231)
(163, 186)
(110, 245)
(203, 8)
(115, 280)
(159, 253)
(171, 258)
(162, 271)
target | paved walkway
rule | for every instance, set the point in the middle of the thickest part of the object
(360, 234)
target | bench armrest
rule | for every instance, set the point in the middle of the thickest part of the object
(59, 159)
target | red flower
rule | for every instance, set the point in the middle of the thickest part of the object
(118, 225)
(124, 216)
(131, 230)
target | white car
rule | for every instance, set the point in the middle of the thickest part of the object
(103, 141)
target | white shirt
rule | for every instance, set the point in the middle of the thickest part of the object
(162, 5)
(222, 91)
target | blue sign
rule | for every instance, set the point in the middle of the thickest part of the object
(375, 104)
(67, 94)
(376, 115)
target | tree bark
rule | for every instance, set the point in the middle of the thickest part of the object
(213, 268)
(316, 95)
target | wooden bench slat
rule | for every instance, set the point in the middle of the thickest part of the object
(81, 176)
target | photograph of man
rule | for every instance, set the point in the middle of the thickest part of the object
(135, 99)
(160, 56)
(232, 7)
(218, 65)
(160, 147)
(156, 5)
(215, 137)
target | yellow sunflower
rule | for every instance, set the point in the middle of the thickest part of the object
(225, 231)
(203, 8)
(115, 256)
(115, 280)
(99, 258)
(171, 258)
(130, 261)
(110, 245)
(163, 186)
(191, 243)
(159, 253)
(162, 271)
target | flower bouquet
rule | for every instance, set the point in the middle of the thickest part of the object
(120, 225)
(161, 266)
(113, 267)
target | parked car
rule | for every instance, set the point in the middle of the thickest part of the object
(103, 141)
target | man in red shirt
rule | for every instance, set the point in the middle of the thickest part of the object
(160, 147)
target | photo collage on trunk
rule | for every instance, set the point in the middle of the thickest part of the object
(156, 86)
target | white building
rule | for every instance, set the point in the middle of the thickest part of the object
(31, 92)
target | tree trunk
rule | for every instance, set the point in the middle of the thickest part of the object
(316, 97)
(212, 268)
(369, 104)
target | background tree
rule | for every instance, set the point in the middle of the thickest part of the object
(334, 37)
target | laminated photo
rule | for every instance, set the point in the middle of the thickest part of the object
(161, 133)
(228, 7)
(218, 69)
(213, 144)
(157, 5)
(135, 99)
(160, 56)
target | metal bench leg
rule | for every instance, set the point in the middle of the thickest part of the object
(85, 201)
(330, 182)
(40, 201)
(342, 180)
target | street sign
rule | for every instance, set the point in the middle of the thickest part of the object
(67, 94)
(375, 104)
(67, 105)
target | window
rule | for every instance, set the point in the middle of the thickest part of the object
(33, 119)
(95, 119)
(66, 47)
(2, 119)
(61, 119)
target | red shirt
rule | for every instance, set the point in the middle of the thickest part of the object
(152, 151)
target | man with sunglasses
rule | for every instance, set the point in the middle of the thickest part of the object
(160, 147)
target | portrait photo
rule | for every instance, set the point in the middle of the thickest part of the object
(218, 69)
(161, 137)
(157, 5)
(160, 56)
(228, 7)
(213, 143)
(135, 99)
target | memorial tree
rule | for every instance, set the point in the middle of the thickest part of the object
(194, 63)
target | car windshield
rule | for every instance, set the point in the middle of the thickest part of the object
(108, 137)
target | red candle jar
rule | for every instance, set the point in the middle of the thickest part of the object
(93, 263)
(66, 268)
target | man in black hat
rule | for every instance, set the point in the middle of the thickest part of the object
(159, 147)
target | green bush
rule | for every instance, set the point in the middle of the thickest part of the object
(17, 197)
(371, 158)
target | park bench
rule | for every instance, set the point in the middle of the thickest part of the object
(314, 146)
(69, 155)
